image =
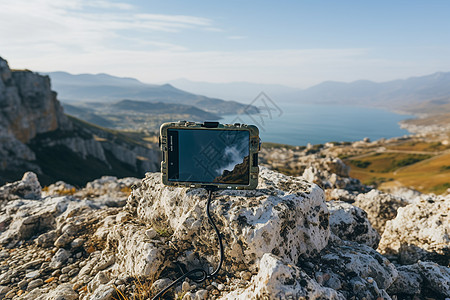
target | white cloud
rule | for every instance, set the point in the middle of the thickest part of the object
(83, 25)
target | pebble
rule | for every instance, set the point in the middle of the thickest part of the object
(76, 243)
(50, 279)
(63, 278)
(160, 284)
(73, 272)
(220, 286)
(151, 233)
(185, 286)
(201, 294)
(246, 275)
(33, 274)
(4, 254)
(59, 258)
(66, 269)
(23, 284)
(56, 273)
(35, 283)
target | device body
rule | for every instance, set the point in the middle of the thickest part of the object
(209, 155)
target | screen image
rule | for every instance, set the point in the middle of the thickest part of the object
(209, 156)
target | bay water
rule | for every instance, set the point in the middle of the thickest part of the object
(300, 124)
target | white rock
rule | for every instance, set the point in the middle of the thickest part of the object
(350, 223)
(59, 258)
(419, 232)
(282, 209)
(151, 233)
(380, 207)
(279, 280)
(62, 291)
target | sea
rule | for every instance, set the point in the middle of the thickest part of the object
(300, 124)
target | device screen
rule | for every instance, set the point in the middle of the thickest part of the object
(208, 156)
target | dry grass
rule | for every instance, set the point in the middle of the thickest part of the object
(142, 291)
(429, 174)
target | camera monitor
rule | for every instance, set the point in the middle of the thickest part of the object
(210, 155)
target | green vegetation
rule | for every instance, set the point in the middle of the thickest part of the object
(445, 168)
(409, 160)
(421, 165)
(361, 164)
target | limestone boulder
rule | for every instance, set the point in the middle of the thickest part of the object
(419, 232)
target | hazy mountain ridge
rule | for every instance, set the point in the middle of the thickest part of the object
(106, 88)
(431, 92)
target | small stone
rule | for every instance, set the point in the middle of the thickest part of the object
(201, 295)
(76, 243)
(59, 258)
(220, 286)
(50, 279)
(246, 275)
(35, 283)
(4, 254)
(161, 284)
(188, 296)
(78, 255)
(56, 273)
(66, 269)
(22, 285)
(151, 233)
(73, 272)
(185, 286)
(63, 278)
(77, 285)
(32, 274)
(63, 240)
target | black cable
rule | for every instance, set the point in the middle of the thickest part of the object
(204, 275)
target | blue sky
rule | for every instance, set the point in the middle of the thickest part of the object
(295, 43)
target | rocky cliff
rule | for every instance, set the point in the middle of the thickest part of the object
(36, 135)
(282, 241)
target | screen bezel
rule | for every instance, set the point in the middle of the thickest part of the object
(206, 151)
(253, 169)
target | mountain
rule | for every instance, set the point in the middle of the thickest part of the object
(106, 88)
(240, 91)
(36, 135)
(430, 93)
(162, 108)
(136, 115)
(396, 94)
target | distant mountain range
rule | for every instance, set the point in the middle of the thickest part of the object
(429, 93)
(137, 115)
(74, 89)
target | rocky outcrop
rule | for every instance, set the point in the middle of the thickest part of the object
(350, 223)
(27, 104)
(380, 207)
(281, 241)
(36, 135)
(419, 232)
